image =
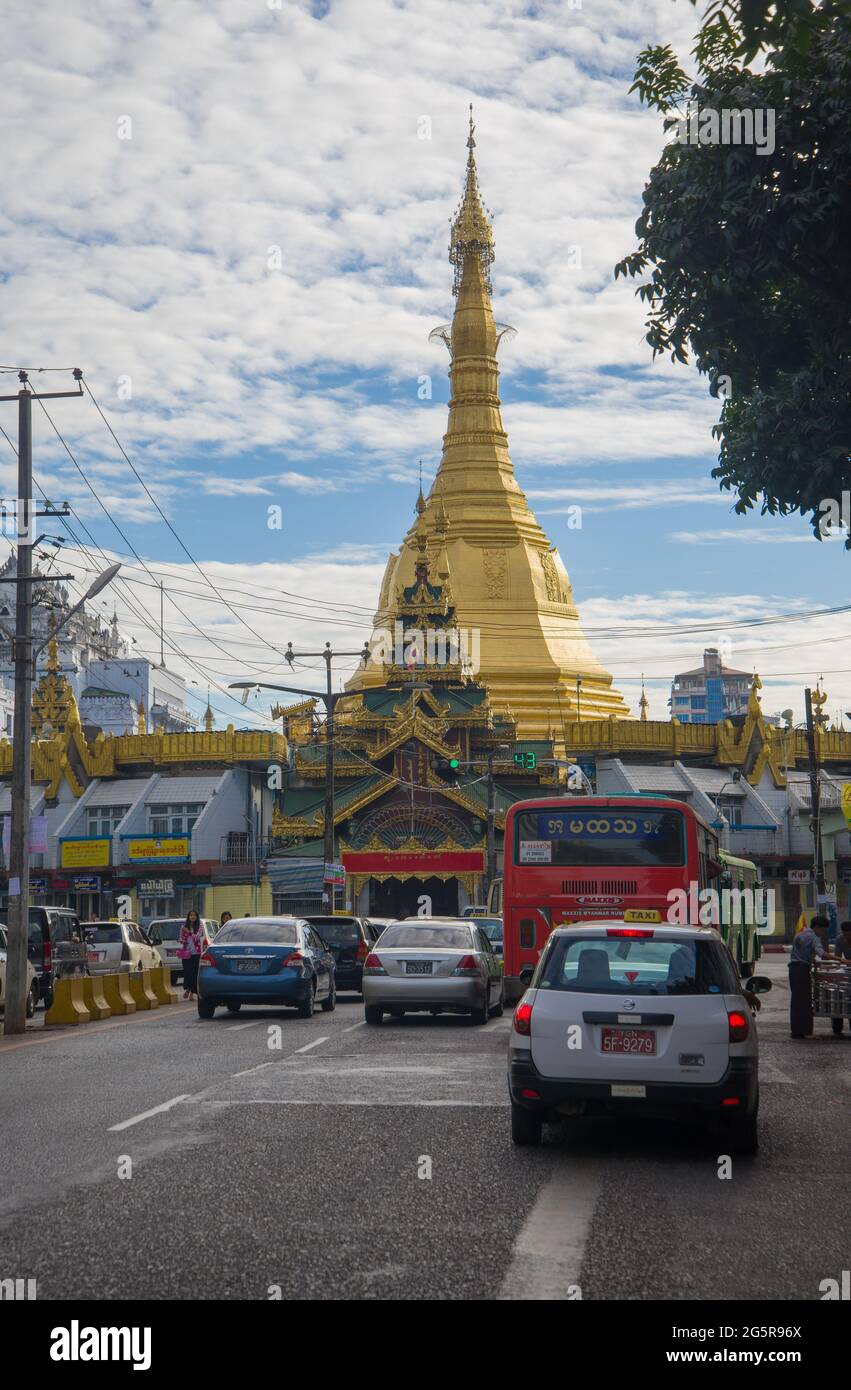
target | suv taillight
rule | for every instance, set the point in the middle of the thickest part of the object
(739, 1026)
(362, 951)
(372, 965)
(523, 1019)
(47, 954)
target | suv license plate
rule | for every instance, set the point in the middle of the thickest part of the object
(635, 1042)
(417, 967)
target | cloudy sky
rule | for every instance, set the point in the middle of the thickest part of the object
(234, 215)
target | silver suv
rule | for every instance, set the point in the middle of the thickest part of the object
(638, 1020)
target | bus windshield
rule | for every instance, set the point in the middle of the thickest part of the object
(600, 837)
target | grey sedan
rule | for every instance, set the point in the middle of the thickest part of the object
(430, 966)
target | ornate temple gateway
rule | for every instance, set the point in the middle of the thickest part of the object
(476, 659)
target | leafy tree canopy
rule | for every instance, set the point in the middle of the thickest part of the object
(744, 251)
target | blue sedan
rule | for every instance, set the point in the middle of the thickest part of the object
(266, 960)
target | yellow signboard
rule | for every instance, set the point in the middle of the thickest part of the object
(846, 802)
(85, 854)
(152, 848)
(642, 914)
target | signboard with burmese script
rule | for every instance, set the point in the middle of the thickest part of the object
(84, 854)
(153, 849)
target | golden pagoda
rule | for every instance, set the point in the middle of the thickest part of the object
(509, 587)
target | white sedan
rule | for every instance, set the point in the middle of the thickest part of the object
(119, 947)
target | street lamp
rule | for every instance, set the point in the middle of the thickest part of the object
(329, 698)
(26, 657)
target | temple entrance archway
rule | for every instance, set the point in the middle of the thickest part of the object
(394, 897)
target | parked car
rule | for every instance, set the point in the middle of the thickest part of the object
(55, 946)
(350, 940)
(266, 960)
(492, 928)
(116, 948)
(637, 1020)
(32, 978)
(433, 966)
(164, 933)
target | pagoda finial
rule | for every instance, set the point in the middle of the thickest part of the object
(471, 232)
(141, 720)
(420, 499)
(643, 703)
(53, 649)
(208, 714)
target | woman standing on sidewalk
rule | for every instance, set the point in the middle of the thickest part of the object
(190, 948)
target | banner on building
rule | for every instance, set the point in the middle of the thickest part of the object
(336, 874)
(38, 835)
(846, 802)
(84, 854)
(86, 883)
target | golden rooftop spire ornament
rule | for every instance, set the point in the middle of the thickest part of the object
(643, 703)
(471, 229)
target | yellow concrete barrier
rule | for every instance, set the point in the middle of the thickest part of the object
(141, 989)
(162, 986)
(68, 1002)
(94, 998)
(117, 994)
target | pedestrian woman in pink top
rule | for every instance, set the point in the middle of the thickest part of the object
(189, 948)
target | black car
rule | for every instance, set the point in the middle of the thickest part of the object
(56, 946)
(350, 940)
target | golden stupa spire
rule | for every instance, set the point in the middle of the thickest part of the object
(208, 715)
(511, 589)
(643, 703)
(141, 721)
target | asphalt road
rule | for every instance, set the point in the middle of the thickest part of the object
(259, 1171)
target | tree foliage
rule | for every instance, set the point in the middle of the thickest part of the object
(744, 256)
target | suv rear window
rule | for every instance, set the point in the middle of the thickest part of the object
(442, 938)
(336, 933)
(165, 931)
(105, 936)
(642, 965)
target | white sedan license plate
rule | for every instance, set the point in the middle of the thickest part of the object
(633, 1042)
(418, 967)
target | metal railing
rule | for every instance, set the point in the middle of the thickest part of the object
(238, 848)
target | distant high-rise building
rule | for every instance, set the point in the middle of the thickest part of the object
(711, 692)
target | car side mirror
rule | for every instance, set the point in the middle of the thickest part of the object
(758, 984)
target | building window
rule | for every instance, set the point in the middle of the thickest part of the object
(177, 819)
(104, 820)
(731, 811)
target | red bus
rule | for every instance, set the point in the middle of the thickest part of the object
(590, 858)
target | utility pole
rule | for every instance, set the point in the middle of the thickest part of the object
(815, 797)
(329, 698)
(23, 661)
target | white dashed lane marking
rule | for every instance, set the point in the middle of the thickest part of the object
(146, 1114)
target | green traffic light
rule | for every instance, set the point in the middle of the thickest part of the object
(454, 762)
